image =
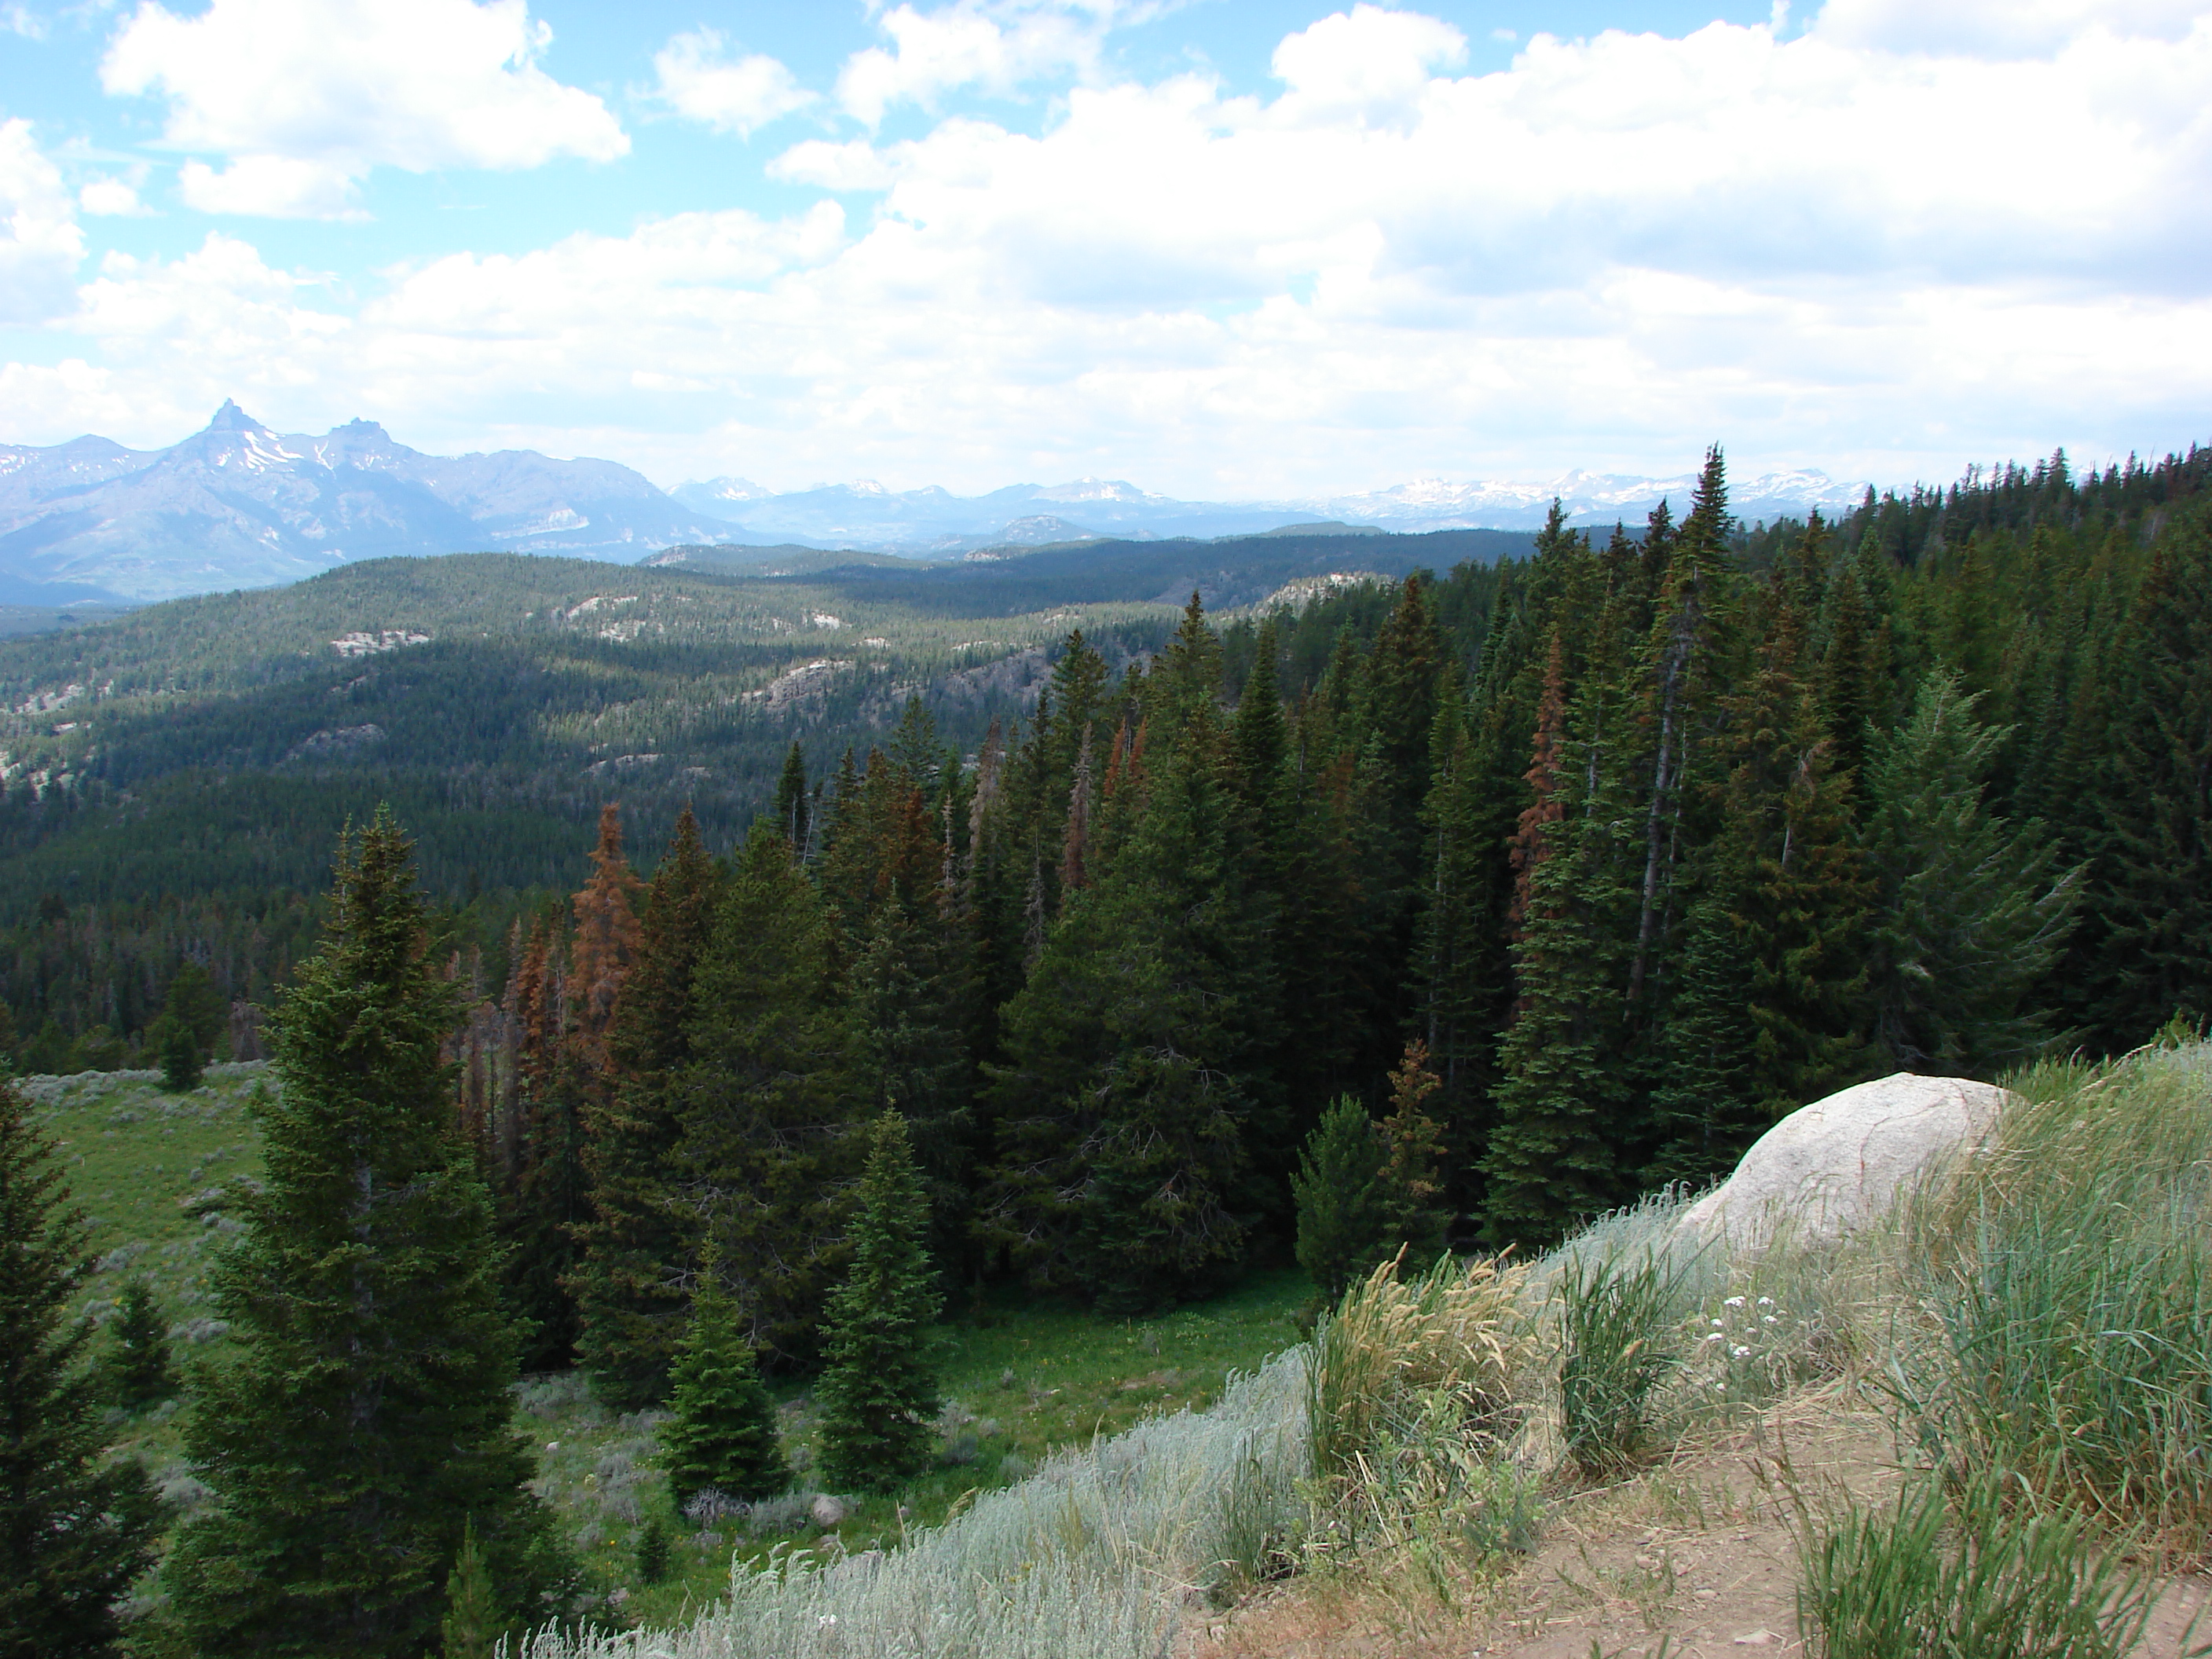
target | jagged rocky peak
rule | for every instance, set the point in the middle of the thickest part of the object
(231, 418)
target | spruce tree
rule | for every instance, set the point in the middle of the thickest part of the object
(1565, 1096)
(139, 1367)
(182, 1066)
(366, 1417)
(878, 1393)
(2156, 892)
(771, 1098)
(1126, 1102)
(636, 1239)
(791, 799)
(1765, 1013)
(721, 1435)
(471, 1624)
(74, 1530)
(1971, 910)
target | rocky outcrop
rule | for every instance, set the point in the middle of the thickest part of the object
(1841, 1164)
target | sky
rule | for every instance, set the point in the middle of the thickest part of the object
(1220, 248)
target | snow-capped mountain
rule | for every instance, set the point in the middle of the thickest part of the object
(1588, 499)
(932, 522)
(240, 505)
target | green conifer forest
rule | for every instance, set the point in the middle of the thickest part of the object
(1442, 908)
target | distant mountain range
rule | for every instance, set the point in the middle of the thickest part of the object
(240, 505)
(934, 522)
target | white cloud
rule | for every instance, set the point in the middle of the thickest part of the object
(1999, 28)
(1880, 259)
(23, 20)
(307, 96)
(40, 243)
(998, 45)
(111, 196)
(271, 187)
(854, 165)
(700, 81)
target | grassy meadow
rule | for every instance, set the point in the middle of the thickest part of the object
(1022, 1380)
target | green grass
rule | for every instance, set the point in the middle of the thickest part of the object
(132, 1155)
(1967, 1574)
(1021, 1378)
(2072, 1286)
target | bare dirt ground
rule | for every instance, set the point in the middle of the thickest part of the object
(1691, 1560)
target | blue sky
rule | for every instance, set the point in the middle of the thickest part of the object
(1219, 248)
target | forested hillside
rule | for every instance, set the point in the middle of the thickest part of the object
(174, 780)
(1629, 848)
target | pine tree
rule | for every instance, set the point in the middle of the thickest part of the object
(878, 1393)
(721, 1435)
(1765, 1012)
(1339, 1203)
(569, 1080)
(1565, 1096)
(1126, 1102)
(182, 1068)
(635, 1242)
(1971, 910)
(2156, 887)
(192, 999)
(74, 1530)
(791, 799)
(139, 1368)
(368, 1413)
(771, 1097)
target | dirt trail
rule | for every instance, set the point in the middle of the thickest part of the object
(1694, 1558)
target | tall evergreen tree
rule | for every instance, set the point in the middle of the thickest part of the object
(74, 1530)
(771, 1097)
(2156, 870)
(636, 1241)
(367, 1415)
(879, 1392)
(1971, 909)
(790, 797)
(1564, 1098)
(1766, 1012)
(1127, 1101)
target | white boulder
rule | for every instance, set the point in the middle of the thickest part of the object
(1840, 1164)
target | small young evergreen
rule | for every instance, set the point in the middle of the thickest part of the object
(471, 1623)
(1412, 1214)
(721, 1435)
(878, 1395)
(652, 1550)
(182, 1065)
(138, 1363)
(74, 1530)
(1338, 1200)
